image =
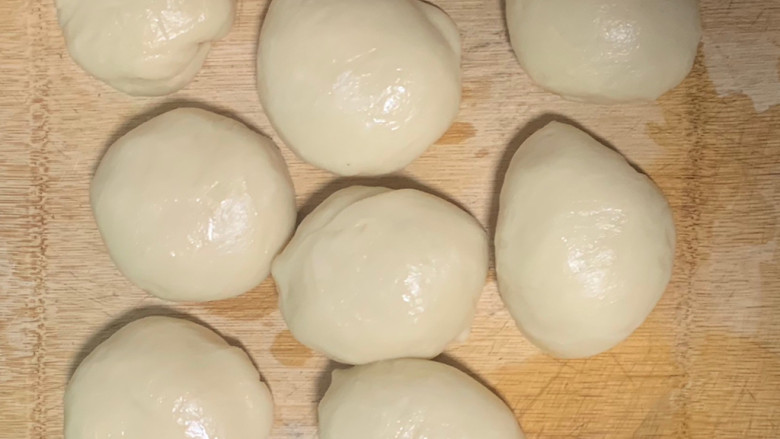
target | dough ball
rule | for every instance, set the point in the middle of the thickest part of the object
(605, 50)
(143, 47)
(166, 378)
(374, 273)
(359, 87)
(193, 206)
(412, 399)
(584, 244)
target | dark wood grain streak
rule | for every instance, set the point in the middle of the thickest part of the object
(39, 192)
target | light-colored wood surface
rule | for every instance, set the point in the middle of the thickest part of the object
(705, 364)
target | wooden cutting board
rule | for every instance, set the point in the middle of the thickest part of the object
(705, 364)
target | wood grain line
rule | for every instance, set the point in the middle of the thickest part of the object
(688, 236)
(38, 145)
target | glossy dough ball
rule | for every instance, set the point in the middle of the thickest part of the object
(166, 378)
(359, 86)
(412, 399)
(374, 273)
(143, 47)
(584, 245)
(605, 50)
(193, 206)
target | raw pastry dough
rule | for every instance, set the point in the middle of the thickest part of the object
(193, 206)
(412, 399)
(143, 47)
(166, 378)
(605, 50)
(359, 86)
(374, 273)
(584, 243)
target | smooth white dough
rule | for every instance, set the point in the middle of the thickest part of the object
(193, 206)
(143, 47)
(374, 273)
(167, 378)
(584, 243)
(359, 87)
(412, 398)
(605, 50)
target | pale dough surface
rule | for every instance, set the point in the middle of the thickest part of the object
(193, 206)
(374, 273)
(167, 378)
(584, 243)
(359, 87)
(605, 50)
(412, 398)
(143, 47)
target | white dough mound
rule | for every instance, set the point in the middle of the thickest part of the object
(412, 399)
(359, 87)
(605, 50)
(167, 378)
(143, 47)
(193, 206)
(374, 274)
(584, 243)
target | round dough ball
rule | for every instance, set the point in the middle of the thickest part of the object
(605, 50)
(166, 378)
(143, 47)
(412, 399)
(584, 243)
(374, 273)
(193, 206)
(359, 87)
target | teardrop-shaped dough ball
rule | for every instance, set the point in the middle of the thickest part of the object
(143, 47)
(411, 398)
(193, 206)
(166, 378)
(584, 244)
(605, 50)
(374, 273)
(359, 87)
